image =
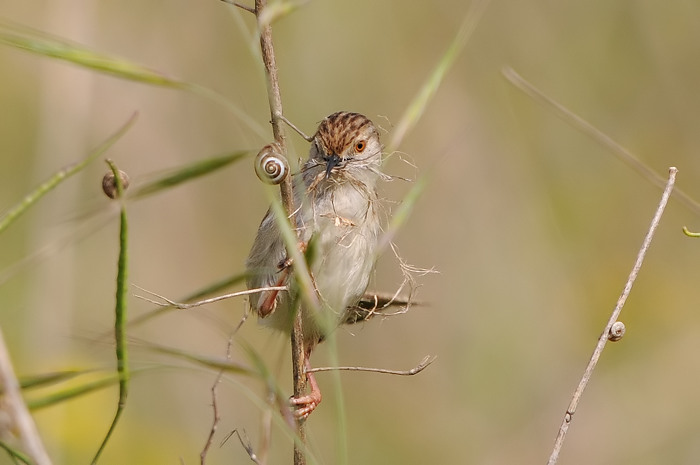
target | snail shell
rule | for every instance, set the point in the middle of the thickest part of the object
(270, 165)
(617, 330)
(109, 185)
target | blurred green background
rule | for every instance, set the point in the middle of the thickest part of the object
(533, 227)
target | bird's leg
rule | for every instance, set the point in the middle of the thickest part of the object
(308, 403)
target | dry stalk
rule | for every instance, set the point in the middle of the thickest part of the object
(246, 445)
(276, 113)
(215, 407)
(19, 422)
(427, 360)
(183, 306)
(568, 416)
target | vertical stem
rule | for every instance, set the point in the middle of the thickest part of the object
(275, 100)
(119, 311)
(299, 377)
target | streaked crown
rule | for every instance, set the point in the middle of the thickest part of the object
(345, 133)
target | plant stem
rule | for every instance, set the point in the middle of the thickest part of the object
(275, 101)
(603, 339)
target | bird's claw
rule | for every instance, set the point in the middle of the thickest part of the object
(305, 404)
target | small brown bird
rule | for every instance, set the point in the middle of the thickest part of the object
(338, 215)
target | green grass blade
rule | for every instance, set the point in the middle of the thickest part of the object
(261, 369)
(14, 454)
(277, 10)
(42, 380)
(300, 268)
(38, 42)
(120, 313)
(237, 111)
(209, 362)
(188, 172)
(425, 94)
(624, 155)
(70, 393)
(16, 211)
(400, 216)
(41, 43)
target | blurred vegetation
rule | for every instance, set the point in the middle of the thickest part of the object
(532, 225)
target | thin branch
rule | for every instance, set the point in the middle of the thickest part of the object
(239, 5)
(373, 304)
(215, 422)
(299, 379)
(298, 131)
(275, 101)
(243, 319)
(184, 306)
(247, 446)
(603, 339)
(215, 406)
(427, 360)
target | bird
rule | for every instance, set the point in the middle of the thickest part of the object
(338, 224)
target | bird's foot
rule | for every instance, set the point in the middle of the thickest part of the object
(308, 403)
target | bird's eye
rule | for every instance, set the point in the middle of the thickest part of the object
(360, 146)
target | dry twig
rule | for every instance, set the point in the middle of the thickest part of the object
(184, 306)
(427, 360)
(247, 446)
(215, 406)
(240, 5)
(603, 339)
(276, 113)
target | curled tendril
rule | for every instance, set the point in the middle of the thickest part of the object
(617, 330)
(270, 165)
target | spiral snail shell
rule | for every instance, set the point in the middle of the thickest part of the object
(270, 165)
(109, 185)
(617, 330)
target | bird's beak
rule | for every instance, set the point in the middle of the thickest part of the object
(331, 162)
